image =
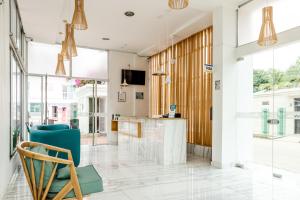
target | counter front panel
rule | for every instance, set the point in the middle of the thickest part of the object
(160, 140)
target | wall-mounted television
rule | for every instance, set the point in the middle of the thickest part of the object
(133, 77)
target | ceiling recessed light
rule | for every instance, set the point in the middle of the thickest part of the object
(129, 13)
(106, 38)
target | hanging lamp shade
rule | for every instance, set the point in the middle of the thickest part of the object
(70, 41)
(64, 51)
(124, 84)
(60, 68)
(267, 36)
(79, 19)
(178, 4)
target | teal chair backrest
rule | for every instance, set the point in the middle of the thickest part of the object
(58, 135)
(52, 127)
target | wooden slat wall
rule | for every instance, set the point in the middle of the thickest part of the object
(190, 88)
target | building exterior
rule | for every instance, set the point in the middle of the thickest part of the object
(286, 105)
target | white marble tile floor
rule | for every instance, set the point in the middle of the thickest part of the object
(127, 177)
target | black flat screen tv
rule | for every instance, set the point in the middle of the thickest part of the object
(133, 77)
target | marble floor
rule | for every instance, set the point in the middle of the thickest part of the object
(128, 177)
(87, 139)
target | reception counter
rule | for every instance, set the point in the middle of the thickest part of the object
(161, 140)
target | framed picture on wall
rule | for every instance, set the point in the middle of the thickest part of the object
(139, 95)
(121, 96)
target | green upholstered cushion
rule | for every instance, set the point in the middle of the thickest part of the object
(89, 181)
(38, 166)
(63, 173)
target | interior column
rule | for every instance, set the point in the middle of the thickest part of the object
(224, 137)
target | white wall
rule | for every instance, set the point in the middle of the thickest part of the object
(224, 99)
(132, 107)
(7, 165)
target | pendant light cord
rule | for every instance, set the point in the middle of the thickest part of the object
(273, 110)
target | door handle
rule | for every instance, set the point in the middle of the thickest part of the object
(273, 121)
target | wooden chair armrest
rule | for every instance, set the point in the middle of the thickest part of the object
(47, 157)
(49, 147)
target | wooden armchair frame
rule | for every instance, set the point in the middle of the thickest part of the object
(38, 192)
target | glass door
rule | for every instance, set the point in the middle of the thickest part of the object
(99, 107)
(80, 103)
(76, 102)
(285, 118)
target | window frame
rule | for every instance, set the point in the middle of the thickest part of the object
(18, 53)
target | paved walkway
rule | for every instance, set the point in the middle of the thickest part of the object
(286, 152)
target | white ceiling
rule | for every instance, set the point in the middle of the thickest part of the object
(145, 33)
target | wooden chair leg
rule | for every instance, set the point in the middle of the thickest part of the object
(75, 183)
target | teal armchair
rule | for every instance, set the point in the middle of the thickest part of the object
(59, 135)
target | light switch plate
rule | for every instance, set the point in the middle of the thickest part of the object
(217, 84)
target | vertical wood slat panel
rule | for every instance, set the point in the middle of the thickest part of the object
(190, 87)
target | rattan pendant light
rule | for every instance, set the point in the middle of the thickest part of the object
(79, 19)
(124, 84)
(64, 51)
(267, 36)
(178, 4)
(70, 41)
(60, 68)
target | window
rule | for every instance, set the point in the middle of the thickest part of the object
(65, 91)
(286, 16)
(17, 60)
(89, 63)
(16, 28)
(297, 104)
(16, 102)
(35, 107)
(42, 58)
(54, 111)
(13, 20)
